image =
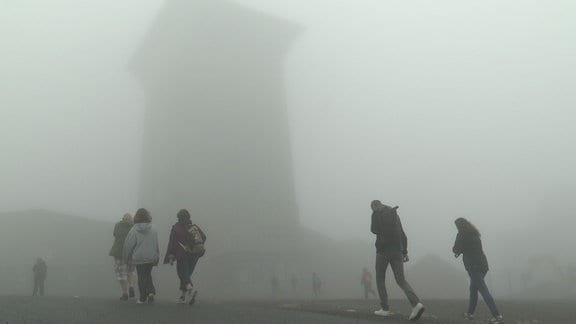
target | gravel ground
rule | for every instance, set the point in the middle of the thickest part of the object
(14, 309)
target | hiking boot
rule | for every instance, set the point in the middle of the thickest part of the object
(383, 313)
(497, 320)
(150, 298)
(124, 297)
(131, 293)
(417, 312)
(469, 317)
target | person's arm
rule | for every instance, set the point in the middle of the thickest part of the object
(129, 245)
(171, 248)
(375, 224)
(403, 238)
(116, 230)
(458, 246)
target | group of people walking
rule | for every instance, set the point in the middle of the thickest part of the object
(136, 248)
(392, 250)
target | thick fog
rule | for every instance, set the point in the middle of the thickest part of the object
(447, 109)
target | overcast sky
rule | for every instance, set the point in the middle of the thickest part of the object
(446, 108)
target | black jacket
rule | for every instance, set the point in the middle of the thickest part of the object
(390, 237)
(470, 246)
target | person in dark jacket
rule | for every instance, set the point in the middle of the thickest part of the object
(40, 270)
(469, 244)
(180, 251)
(391, 249)
(124, 272)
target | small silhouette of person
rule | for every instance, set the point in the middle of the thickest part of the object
(294, 282)
(316, 284)
(40, 270)
(367, 283)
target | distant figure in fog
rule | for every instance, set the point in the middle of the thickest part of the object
(275, 284)
(469, 244)
(124, 272)
(186, 246)
(391, 249)
(316, 284)
(141, 249)
(40, 270)
(294, 282)
(366, 282)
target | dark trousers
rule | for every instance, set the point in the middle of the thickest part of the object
(397, 264)
(478, 285)
(145, 284)
(185, 268)
(38, 286)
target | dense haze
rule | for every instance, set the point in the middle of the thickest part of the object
(444, 108)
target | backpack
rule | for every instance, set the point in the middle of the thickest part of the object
(195, 239)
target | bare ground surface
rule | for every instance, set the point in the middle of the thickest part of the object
(17, 309)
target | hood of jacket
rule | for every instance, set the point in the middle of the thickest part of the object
(143, 227)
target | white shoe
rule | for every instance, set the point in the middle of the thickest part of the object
(138, 301)
(384, 313)
(417, 312)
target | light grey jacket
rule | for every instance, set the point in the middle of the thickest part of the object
(141, 245)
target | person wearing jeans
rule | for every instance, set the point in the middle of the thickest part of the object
(141, 249)
(391, 250)
(469, 244)
(179, 250)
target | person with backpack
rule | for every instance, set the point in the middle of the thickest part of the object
(124, 272)
(40, 271)
(141, 249)
(391, 249)
(185, 247)
(469, 245)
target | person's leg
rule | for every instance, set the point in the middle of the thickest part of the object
(381, 267)
(35, 292)
(365, 292)
(483, 289)
(397, 265)
(42, 286)
(181, 271)
(150, 283)
(141, 282)
(474, 277)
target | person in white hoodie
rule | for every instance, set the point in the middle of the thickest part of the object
(141, 249)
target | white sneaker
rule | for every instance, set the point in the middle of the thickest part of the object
(417, 312)
(138, 301)
(384, 313)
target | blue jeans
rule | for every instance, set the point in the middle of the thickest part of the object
(185, 268)
(478, 285)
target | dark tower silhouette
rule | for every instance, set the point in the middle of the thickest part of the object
(216, 132)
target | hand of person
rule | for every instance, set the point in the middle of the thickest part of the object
(405, 258)
(456, 255)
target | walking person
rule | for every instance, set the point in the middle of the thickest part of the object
(391, 249)
(366, 282)
(469, 245)
(124, 272)
(316, 284)
(185, 247)
(141, 249)
(40, 270)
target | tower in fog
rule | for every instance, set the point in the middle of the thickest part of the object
(216, 132)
